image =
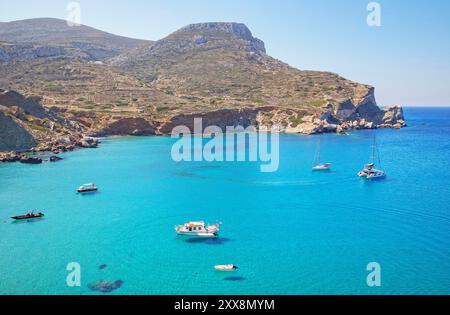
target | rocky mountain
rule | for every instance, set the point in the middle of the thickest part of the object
(218, 71)
(46, 37)
(217, 66)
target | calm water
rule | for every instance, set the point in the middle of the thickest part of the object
(291, 232)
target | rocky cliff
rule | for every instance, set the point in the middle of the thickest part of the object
(13, 137)
(25, 125)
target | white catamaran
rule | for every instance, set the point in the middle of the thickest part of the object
(369, 171)
(318, 166)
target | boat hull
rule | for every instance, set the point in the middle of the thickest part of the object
(372, 176)
(24, 217)
(226, 268)
(81, 191)
(204, 234)
(323, 167)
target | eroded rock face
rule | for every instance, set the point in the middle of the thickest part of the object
(221, 118)
(236, 29)
(128, 126)
(393, 117)
(330, 119)
(14, 52)
(30, 105)
(13, 137)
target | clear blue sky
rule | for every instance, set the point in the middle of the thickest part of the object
(407, 58)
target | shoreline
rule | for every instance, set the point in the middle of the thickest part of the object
(34, 156)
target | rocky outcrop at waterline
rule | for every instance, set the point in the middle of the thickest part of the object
(26, 127)
(330, 119)
(222, 118)
(128, 126)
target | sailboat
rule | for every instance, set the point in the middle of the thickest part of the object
(369, 171)
(320, 166)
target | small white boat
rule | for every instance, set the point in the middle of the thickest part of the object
(320, 166)
(226, 267)
(198, 228)
(87, 188)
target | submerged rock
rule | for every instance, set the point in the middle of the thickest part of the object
(102, 266)
(234, 278)
(55, 158)
(105, 286)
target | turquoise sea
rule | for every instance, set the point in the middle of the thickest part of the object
(290, 232)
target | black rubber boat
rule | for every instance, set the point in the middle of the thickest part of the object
(28, 216)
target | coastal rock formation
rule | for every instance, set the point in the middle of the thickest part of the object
(393, 117)
(55, 158)
(128, 126)
(30, 160)
(221, 118)
(13, 136)
(27, 126)
(9, 157)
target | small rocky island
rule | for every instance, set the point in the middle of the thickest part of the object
(60, 96)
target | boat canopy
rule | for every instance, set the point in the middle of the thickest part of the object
(194, 223)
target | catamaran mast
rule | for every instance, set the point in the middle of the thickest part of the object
(318, 153)
(375, 151)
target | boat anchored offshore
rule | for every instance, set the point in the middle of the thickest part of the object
(369, 171)
(87, 188)
(320, 166)
(28, 216)
(198, 228)
(226, 267)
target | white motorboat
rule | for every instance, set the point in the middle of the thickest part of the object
(87, 188)
(369, 171)
(198, 228)
(226, 267)
(320, 166)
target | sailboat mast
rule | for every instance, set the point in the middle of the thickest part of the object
(373, 148)
(318, 153)
(375, 152)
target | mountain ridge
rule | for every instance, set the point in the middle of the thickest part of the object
(57, 33)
